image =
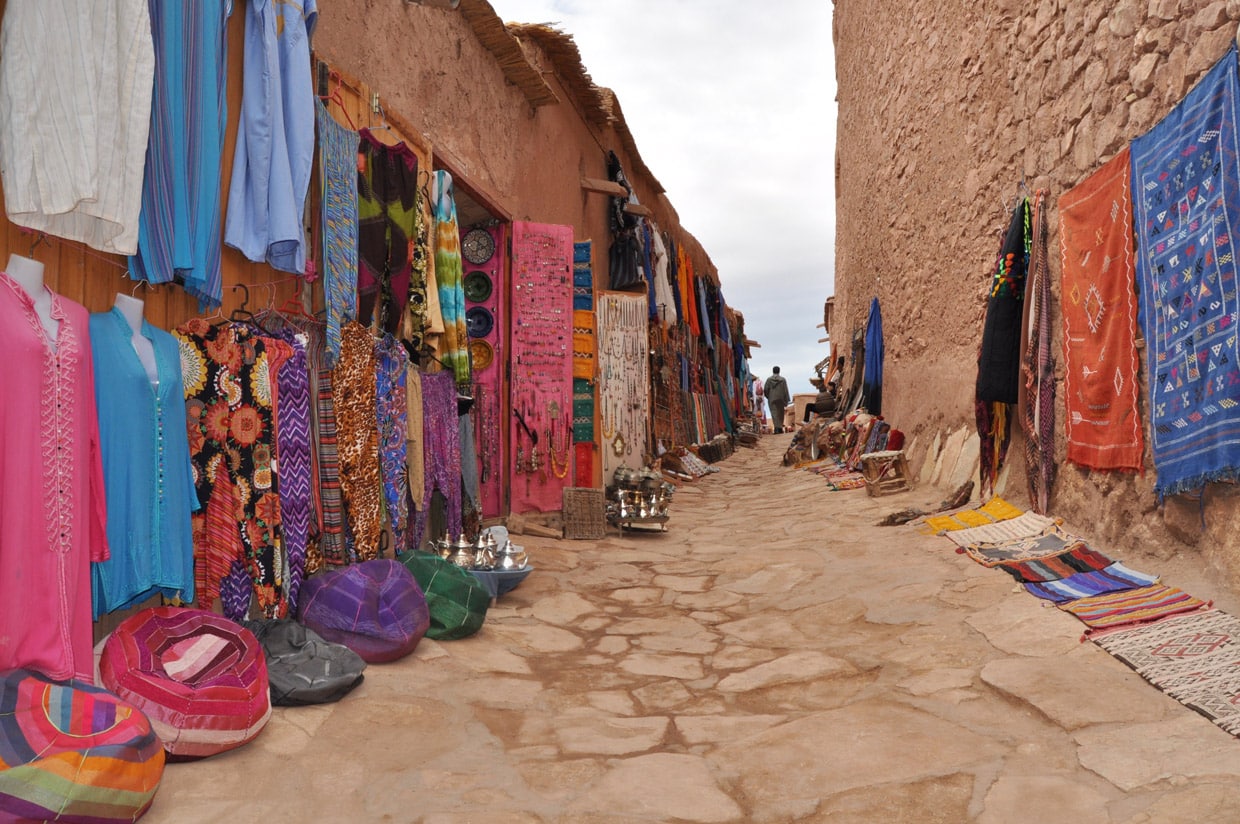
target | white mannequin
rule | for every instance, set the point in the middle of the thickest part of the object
(131, 308)
(29, 275)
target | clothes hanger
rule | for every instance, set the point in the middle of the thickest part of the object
(334, 96)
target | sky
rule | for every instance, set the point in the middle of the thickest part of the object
(732, 106)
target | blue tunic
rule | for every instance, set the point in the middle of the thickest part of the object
(148, 478)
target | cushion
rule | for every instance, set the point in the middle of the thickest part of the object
(374, 608)
(303, 667)
(456, 599)
(73, 752)
(199, 677)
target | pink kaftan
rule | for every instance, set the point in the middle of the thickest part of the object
(52, 510)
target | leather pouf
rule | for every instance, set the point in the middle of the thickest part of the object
(457, 600)
(199, 677)
(73, 752)
(374, 608)
(303, 667)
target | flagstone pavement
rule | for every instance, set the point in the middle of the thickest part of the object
(773, 657)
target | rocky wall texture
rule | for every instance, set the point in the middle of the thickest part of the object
(948, 112)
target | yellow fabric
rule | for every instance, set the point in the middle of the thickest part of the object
(994, 510)
(413, 438)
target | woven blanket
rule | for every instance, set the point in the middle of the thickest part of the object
(1099, 307)
(1114, 578)
(583, 411)
(1026, 525)
(1049, 544)
(1134, 606)
(996, 509)
(583, 276)
(1186, 190)
(1193, 658)
(583, 344)
(1078, 558)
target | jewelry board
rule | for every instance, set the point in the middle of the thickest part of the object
(485, 281)
(623, 379)
(541, 391)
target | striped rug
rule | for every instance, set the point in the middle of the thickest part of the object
(1135, 606)
(1115, 578)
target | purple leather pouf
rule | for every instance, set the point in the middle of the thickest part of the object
(374, 608)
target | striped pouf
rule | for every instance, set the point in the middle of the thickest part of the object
(199, 677)
(73, 752)
(374, 608)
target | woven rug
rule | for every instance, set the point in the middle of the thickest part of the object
(1194, 658)
(1077, 559)
(583, 276)
(1135, 606)
(1049, 544)
(994, 510)
(1102, 424)
(1186, 198)
(1114, 578)
(1027, 525)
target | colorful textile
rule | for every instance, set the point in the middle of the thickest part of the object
(338, 216)
(1053, 542)
(391, 363)
(1134, 606)
(374, 608)
(357, 439)
(1026, 525)
(457, 601)
(583, 464)
(331, 499)
(442, 453)
(583, 277)
(1079, 558)
(52, 495)
(583, 345)
(73, 752)
(147, 472)
(454, 346)
(583, 411)
(1038, 368)
(1114, 578)
(200, 678)
(996, 509)
(1186, 189)
(1099, 303)
(275, 136)
(872, 381)
(387, 207)
(294, 450)
(72, 161)
(229, 421)
(1190, 657)
(180, 222)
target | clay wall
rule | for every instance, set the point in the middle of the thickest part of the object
(945, 110)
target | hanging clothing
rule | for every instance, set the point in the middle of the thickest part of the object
(293, 451)
(387, 206)
(872, 382)
(231, 439)
(338, 216)
(148, 476)
(358, 439)
(414, 460)
(442, 453)
(52, 500)
(454, 350)
(624, 269)
(275, 136)
(391, 363)
(179, 231)
(75, 86)
(665, 300)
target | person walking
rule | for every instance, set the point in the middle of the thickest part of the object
(777, 397)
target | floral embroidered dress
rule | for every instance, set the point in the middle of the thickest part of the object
(52, 504)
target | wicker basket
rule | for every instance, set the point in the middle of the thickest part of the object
(585, 516)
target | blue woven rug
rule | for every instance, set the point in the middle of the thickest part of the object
(1186, 200)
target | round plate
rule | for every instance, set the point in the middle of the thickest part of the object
(477, 286)
(477, 246)
(479, 322)
(481, 353)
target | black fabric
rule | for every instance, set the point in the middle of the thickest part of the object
(624, 271)
(998, 361)
(302, 667)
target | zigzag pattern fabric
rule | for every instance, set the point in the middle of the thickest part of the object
(293, 444)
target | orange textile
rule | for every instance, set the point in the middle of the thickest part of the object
(1099, 317)
(688, 297)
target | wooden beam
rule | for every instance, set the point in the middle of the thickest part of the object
(824, 340)
(752, 344)
(606, 187)
(637, 209)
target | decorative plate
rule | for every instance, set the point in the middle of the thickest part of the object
(481, 353)
(479, 322)
(477, 246)
(477, 286)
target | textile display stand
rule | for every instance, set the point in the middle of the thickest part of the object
(624, 379)
(542, 379)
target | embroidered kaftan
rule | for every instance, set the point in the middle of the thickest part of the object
(52, 509)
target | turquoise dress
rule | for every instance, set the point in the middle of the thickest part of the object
(147, 474)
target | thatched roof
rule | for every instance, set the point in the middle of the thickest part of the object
(565, 58)
(507, 50)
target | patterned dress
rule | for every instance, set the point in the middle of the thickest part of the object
(353, 381)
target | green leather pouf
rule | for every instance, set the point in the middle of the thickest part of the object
(457, 600)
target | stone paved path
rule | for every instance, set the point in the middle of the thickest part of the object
(773, 658)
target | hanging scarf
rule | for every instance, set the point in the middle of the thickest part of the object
(872, 382)
(454, 352)
(1038, 367)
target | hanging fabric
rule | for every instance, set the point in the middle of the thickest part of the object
(387, 198)
(441, 454)
(872, 381)
(454, 349)
(1038, 368)
(358, 439)
(338, 205)
(624, 255)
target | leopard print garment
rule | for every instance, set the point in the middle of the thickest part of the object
(358, 438)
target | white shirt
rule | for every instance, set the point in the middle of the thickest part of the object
(75, 84)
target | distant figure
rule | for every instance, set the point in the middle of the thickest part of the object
(777, 397)
(825, 402)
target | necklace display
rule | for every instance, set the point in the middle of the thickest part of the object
(623, 373)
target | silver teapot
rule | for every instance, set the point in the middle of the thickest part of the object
(510, 557)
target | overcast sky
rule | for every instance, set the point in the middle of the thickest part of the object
(732, 105)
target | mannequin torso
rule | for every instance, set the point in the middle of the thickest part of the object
(29, 275)
(131, 308)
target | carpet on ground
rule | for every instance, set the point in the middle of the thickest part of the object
(1135, 606)
(994, 510)
(1027, 525)
(1054, 541)
(1114, 578)
(1077, 559)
